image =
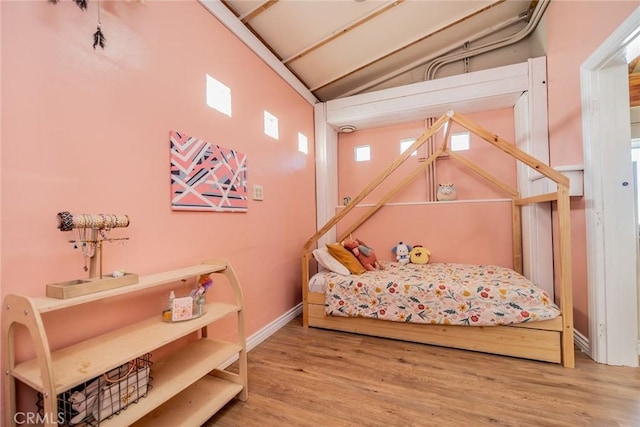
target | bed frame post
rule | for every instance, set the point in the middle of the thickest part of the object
(516, 213)
(566, 282)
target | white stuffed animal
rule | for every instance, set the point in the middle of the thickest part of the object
(402, 252)
(446, 192)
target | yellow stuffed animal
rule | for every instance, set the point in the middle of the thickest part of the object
(419, 255)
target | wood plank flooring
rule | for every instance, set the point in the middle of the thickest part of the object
(314, 377)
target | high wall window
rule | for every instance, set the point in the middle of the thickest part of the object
(362, 153)
(271, 125)
(303, 143)
(460, 141)
(405, 144)
(218, 96)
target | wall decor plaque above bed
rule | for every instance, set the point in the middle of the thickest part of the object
(206, 177)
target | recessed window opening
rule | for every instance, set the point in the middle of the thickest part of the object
(362, 153)
(218, 96)
(303, 143)
(405, 144)
(270, 125)
(460, 141)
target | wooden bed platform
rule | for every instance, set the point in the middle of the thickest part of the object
(549, 341)
(534, 340)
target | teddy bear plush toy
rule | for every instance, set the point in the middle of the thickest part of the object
(419, 255)
(401, 250)
(364, 253)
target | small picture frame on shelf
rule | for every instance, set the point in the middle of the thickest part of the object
(182, 309)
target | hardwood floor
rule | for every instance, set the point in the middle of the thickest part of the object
(315, 377)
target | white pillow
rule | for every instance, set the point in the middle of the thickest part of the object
(326, 260)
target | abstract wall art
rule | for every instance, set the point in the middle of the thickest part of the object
(206, 177)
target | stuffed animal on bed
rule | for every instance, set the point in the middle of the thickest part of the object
(402, 252)
(364, 253)
(419, 255)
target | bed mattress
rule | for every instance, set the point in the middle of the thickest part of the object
(438, 293)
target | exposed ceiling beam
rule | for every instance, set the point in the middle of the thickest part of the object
(342, 31)
(257, 11)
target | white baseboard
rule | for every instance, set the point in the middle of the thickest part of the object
(581, 342)
(254, 340)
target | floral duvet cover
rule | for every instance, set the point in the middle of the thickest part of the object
(439, 293)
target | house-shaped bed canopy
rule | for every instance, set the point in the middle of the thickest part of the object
(550, 340)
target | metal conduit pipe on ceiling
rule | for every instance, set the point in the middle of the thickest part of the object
(433, 68)
(489, 31)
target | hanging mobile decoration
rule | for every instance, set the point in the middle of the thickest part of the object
(82, 4)
(98, 36)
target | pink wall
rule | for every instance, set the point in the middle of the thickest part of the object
(87, 131)
(452, 231)
(569, 43)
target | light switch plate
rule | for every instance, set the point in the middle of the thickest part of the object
(258, 192)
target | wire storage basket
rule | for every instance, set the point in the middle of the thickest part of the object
(105, 396)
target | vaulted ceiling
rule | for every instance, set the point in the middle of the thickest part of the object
(338, 48)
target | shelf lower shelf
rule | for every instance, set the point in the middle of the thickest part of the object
(81, 362)
(194, 405)
(177, 373)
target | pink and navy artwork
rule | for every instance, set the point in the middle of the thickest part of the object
(206, 177)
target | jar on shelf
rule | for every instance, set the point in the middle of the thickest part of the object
(199, 306)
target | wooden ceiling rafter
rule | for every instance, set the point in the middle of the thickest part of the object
(257, 11)
(342, 31)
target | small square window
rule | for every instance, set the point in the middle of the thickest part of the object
(270, 125)
(303, 143)
(460, 141)
(405, 144)
(362, 153)
(218, 96)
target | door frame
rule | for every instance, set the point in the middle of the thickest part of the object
(610, 226)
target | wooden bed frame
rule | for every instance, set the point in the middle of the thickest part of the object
(550, 340)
